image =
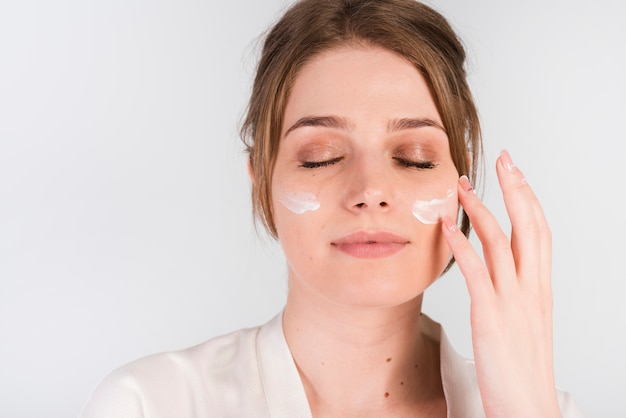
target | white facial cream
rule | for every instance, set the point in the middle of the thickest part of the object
(429, 212)
(299, 202)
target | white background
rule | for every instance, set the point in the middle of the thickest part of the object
(125, 224)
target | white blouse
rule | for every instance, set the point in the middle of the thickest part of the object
(250, 373)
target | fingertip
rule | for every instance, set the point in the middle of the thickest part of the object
(506, 161)
(508, 172)
(448, 224)
(465, 185)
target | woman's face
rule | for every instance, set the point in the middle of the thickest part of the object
(362, 176)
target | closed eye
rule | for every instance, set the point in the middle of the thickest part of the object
(318, 164)
(420, 165)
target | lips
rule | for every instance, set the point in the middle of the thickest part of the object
(370, 245)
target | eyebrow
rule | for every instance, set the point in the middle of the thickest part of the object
(342, 123)
(320, 121)
(412, 123)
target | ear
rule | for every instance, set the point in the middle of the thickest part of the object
(250, 171)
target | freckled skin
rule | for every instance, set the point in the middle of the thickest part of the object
(368, 190)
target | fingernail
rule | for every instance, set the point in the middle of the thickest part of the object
(465, 184)
(505, 158)
(449, 224)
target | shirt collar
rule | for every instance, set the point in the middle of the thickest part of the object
(458, 375)
(283, 388)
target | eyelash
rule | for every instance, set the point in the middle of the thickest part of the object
(318, 164)
(420, 165)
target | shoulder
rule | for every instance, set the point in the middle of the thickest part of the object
(179, 381)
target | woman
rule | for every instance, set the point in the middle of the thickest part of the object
(363, 141)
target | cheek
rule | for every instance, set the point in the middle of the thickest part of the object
(297, 195)
(297, 202)
(431, 211)
(297, 213)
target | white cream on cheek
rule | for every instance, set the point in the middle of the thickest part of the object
(299, 202)
(429, 212)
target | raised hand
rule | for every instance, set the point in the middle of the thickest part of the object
(511, 298)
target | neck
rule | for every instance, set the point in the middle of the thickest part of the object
(361, 358)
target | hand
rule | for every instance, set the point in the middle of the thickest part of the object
(511, 298)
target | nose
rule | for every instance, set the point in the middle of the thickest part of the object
(369, 187)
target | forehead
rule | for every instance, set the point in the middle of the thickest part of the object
(357, 83)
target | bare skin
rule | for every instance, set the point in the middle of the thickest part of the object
(358, 265)
(367, 363)
(369, 357)
(511, 299)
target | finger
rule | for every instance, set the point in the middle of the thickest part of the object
(496, 246)
(545, 235)
(530, 236)
(472, 267)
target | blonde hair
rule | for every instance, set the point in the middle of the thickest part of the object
(411, 29)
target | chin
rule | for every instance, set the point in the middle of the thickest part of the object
(381, 291)
(377, 282)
